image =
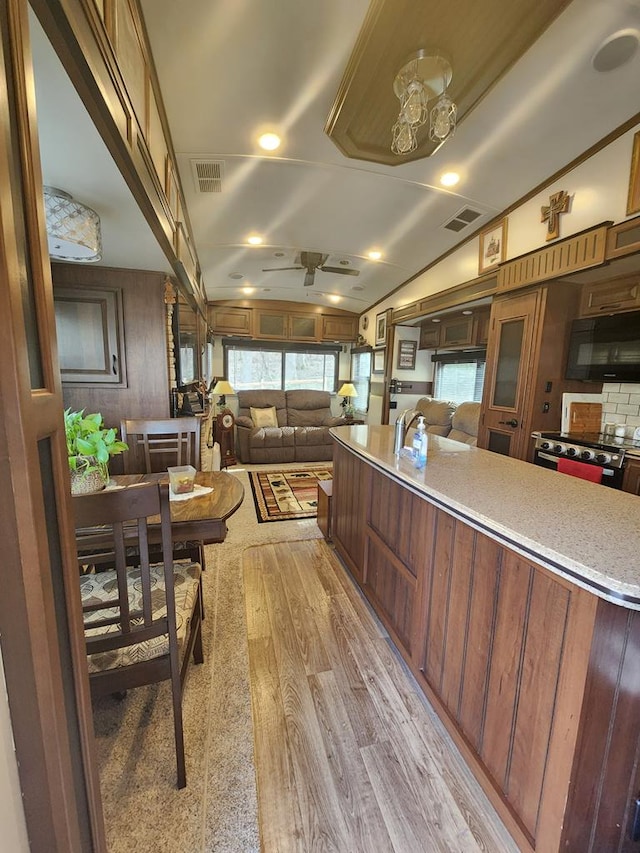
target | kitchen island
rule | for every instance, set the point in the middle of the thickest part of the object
(513, 594)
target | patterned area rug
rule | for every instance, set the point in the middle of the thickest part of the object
(287, 495)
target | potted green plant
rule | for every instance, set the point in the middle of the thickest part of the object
(90, 445)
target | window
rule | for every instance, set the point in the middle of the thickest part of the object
(361, 378)
(459, 376)
(280, 366)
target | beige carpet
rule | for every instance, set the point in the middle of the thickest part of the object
(217, 810)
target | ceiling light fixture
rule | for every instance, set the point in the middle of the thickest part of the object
(73, 229)
(254, 240)
(269, 141)
(424, 77)
(375, 255)
(449, 179)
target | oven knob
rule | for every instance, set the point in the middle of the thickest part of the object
(572, 451)
(546, 445)
(603, 458)
(587, 454)
(559, 448)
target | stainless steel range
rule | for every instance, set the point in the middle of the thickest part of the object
(604, 451)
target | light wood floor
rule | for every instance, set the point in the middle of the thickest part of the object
(349, 756)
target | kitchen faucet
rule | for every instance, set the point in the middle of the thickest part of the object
(402, 427)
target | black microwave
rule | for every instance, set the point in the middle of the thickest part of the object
(606, 349)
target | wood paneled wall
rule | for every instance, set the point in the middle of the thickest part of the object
(147, 391)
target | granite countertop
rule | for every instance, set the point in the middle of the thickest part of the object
(588, 533)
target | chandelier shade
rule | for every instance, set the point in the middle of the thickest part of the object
(73, 229)
(420, 80)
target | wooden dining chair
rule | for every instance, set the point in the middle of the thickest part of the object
(142, 623)
(155, 445)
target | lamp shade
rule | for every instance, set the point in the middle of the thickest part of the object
(223, 387)
(73, 229)
(347, 390)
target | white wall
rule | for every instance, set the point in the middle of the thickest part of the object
(13, 830)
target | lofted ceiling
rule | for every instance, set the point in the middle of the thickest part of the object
(229, 71)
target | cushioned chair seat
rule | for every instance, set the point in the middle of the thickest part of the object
(102, 586)
(437, 415)
(464, 424)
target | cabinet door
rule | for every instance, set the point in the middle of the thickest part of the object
(89, 326)
(339, 328)
(457, 332)
(303, 327)
(271, 324)
(229, 320)
(429, 336)
(509, 355)
(631, 480)
(481, 328)
(621, 294)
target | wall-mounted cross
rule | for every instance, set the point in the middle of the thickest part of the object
(558, 203)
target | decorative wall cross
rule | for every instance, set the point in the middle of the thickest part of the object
(558, 203)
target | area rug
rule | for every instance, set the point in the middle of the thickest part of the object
(287, 495)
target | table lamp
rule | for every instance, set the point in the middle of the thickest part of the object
(222, 388)
(347, 391)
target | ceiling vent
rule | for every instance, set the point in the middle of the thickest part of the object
(463, 218)
(207, 175)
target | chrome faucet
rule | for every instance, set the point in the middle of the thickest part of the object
(402, 427)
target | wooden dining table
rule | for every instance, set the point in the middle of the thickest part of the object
(201, 518)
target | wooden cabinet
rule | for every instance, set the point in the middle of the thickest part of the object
(336, 328)
(510, 655)
(611, 297)
(631, 479)
(429, 335)
(526, 357)
(280, 326)
(90, 331)
(456, 331)
(230, 321)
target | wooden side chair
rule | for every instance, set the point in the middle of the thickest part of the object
(155, 445)
(142, 623)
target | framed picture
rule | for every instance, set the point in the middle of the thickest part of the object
(378, 360)
(493, 247)
(407, 355)
(381, 329)
(633, 199)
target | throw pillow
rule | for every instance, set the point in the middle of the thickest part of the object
(264, 417)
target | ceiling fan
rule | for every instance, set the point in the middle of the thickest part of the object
(312, 261)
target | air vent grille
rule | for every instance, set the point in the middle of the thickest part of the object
(462, 218)
(207, 175)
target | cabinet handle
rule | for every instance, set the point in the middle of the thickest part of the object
(114, 365)
(610, 305)
(512, 423)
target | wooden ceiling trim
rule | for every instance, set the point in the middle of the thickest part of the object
(482, 42)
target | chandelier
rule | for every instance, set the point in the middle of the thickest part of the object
(424, 77)
(73, 229)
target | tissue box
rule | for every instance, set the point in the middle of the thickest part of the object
(182, 479)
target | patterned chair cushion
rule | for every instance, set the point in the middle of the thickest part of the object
(102, 586)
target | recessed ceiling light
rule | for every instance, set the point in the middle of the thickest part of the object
(616, 50)
(344, 262)
(269, 141)
(236, 275)
(266, 290)
(248, 290)
(357, 287)
(467, 312)
(449, 179)
(254, 240)
(278, 254)
(375, 255)
(436, 320)
(334, 297)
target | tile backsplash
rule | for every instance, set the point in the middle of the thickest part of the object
(621, 403)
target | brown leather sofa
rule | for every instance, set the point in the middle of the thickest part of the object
(287, 426)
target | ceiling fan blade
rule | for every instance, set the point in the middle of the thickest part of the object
(309, 277)
(341, 270)
(277, 269)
